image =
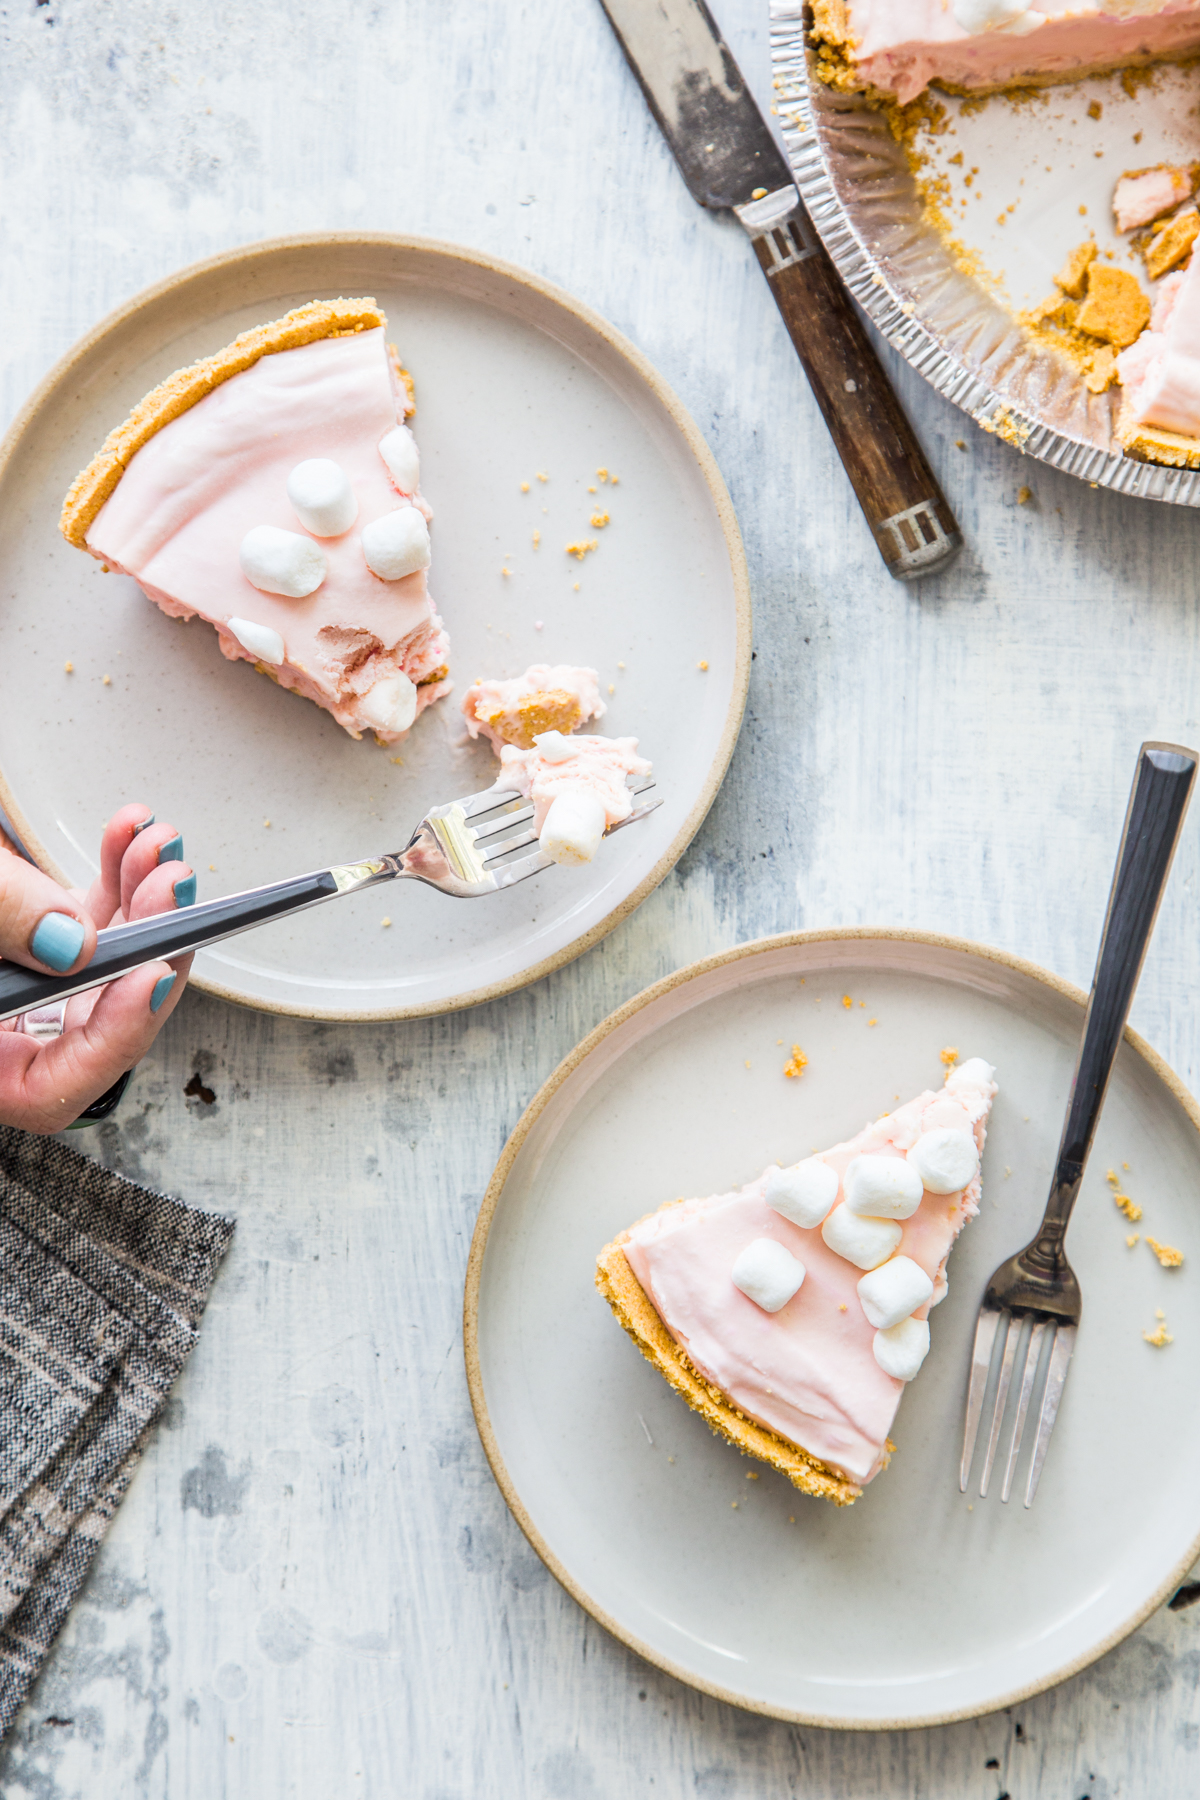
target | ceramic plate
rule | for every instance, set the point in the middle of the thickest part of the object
(1020, 180)
(918, 1604)
(514, 381)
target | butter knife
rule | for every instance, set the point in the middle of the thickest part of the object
(730, 160)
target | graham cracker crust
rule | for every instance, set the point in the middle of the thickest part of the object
(625, 1294)
(319, 319)
(1150, 443)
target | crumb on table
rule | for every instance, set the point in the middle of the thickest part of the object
(950, 1055)
(1160, 1335)
(69, 667)
(1130, 1208)
(599, 520)
(703, 666)
(796, 1063)
(1168, 1257)
(385, 922)
(847, 1002)
(524, 487)
(580, 549)
(1133, 1238)
(1024, 496)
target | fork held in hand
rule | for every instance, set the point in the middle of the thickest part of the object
(461, 849)
(1038, 1285)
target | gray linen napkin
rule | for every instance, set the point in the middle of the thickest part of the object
(102, 1286)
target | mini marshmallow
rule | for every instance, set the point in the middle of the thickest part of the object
(259, 640)
(902, 1348)
(553, 747)
(882, 1187)
(399, 451)
(397, 545)
(804, 1193)
(892, 1291)
(767, 1274)
(282, 562)
(322, 498)
(988, 15)
(945, 1160)
(573, 827)
(391, 704)
(864, 1242)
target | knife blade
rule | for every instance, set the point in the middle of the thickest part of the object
(730, 160)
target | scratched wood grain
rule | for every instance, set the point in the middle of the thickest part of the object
(314, 1588)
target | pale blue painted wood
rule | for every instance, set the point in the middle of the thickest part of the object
(314, 1588)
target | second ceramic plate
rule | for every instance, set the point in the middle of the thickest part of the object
(516, 383)
(918, 1604)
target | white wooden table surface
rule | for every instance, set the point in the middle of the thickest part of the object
(314, 1588)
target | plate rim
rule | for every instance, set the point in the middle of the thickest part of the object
(262, 250)
(920, 347)
(487, 1213)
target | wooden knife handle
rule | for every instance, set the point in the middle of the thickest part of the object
(915, 530)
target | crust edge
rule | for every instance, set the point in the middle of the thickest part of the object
(304, 325)
(1151, 443)
(635, 1313)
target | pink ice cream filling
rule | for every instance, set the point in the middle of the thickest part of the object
(177, 517)
(491, 707)
(809, 1371)
(599, 766)
(1160, 373)
(1139, 198)
(903, 45)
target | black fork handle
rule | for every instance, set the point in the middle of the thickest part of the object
(165, 935)
(1158, 803)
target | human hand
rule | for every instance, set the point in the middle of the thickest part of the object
(44, 1086)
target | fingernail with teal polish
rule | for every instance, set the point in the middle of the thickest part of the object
(185, 891)
(162, 988)
(172, 850)
(57, 941)
(143, 825)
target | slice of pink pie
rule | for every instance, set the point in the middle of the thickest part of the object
(791, 1312)
(273, 489)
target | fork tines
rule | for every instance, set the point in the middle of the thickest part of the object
(1042, 1328)
(499, 834)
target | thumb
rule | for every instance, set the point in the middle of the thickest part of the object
(41, 924)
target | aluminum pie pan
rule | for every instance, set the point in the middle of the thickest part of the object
(863, 200)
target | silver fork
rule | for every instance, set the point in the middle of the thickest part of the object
(1038, 1286)
(461, 849)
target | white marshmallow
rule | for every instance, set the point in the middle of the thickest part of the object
(397, 545)
(399, 451)
(391, 704)
(864, 1242)
(902, 1348)
(988, 15)
(282, 562)
(892, 1291)
(322, 498)
(573, 827)
(767, 1274)
(553, 747)
(945, 1160)
(259, 640)
(804, 1193)
(882, 1187)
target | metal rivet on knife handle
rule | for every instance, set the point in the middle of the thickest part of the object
(913, 525)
